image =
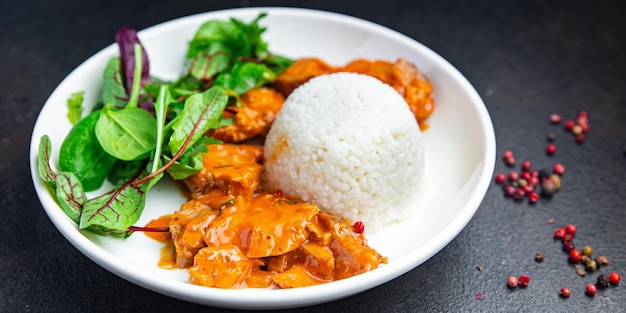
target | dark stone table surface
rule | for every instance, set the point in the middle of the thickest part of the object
(526, 59)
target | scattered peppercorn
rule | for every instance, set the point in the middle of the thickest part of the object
(478, 296)
(524, 281)
(556, 180)
(551, 149)
(591, 265)
(602, 260)
(569, 125)
(555, 118)
(512, 282)
(500, 178)
(584, 259)
(551, 221)
(533, 197)
(565, 292)
(358, 227)
(559, 233)
(558, 168)
(526, 165)
(570, 229)
(539, 257)
(568, 246)
(603, 281)
(587, 250)
(510, 161)
(591, 289)
(580, 270)
(614, 278)
(480, 268)
(548, 188)
(551, 137)
(574, 256)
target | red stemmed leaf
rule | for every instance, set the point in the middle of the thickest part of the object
(68, 189)
(117, 209)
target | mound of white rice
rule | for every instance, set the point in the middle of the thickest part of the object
(349, 144)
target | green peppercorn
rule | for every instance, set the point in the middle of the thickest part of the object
(602, 260)
(591, 265)
(587, 250)
(603, 281)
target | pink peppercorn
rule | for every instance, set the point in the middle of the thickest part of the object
(570, 229)
(524, 280)
(526, 166)
(565, 292)
(558, 168)
(513, 176)
(569, 125)
(509, 190)
(509, 161)
(591, 289)
(533, 197)
(614, 278)
(559, 233)
(500, 178)
(512, 282)
(358, 227)
(507, 154)
(575, 256)
(519, 194)
(555, 118)
(551, 149)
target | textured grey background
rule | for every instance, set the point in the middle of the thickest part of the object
(527, 59)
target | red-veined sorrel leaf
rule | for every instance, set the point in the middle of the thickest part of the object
(68, 189)
(117, 209)
(202, 112)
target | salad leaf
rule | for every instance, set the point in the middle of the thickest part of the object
(126, 39)
(202, 112)
(68, 189)
(75, 107)
(119, 208)
(126, 134)
(82, 154)
(244, 76)
(113, 90)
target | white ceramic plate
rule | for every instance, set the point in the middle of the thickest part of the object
(460, 151)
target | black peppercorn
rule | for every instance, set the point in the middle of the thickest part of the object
(544, 173)
(603, 281)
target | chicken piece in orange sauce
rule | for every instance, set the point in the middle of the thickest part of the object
(232, 235)
(402, 75)
(253, 117)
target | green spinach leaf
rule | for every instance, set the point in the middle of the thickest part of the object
(82, 154)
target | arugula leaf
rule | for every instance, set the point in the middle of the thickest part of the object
(75, 107)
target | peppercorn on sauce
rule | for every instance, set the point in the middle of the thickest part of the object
(230, 234)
